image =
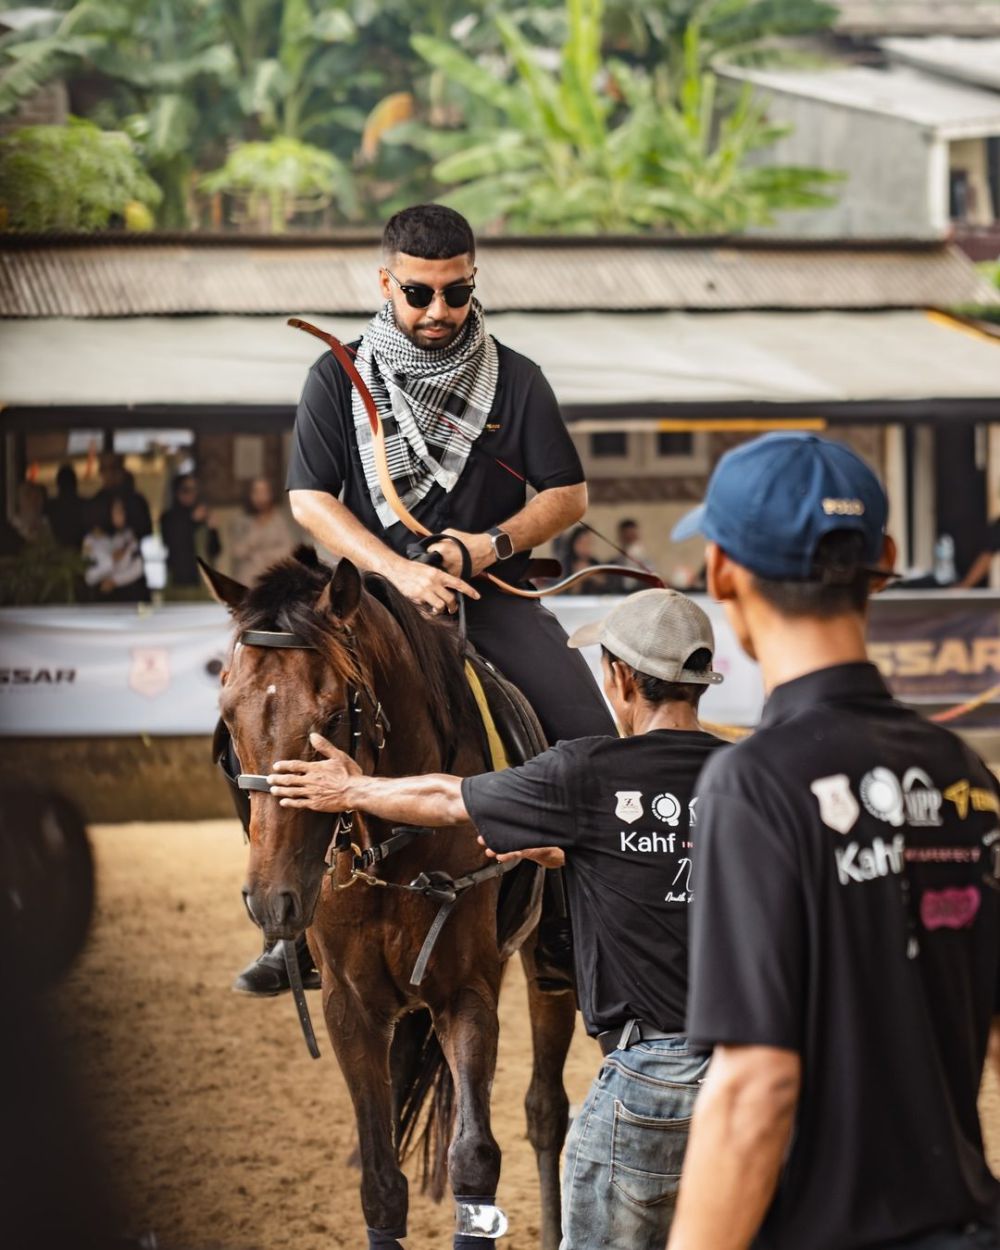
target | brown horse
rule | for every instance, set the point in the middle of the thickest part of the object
(399, 1047)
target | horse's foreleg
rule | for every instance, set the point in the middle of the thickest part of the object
(553, 1019)
(467, 1028)
(362, 1045)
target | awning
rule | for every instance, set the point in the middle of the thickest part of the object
(886, 366)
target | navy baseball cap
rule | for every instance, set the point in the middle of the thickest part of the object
(770, 501)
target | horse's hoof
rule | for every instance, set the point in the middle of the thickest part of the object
(266, 976)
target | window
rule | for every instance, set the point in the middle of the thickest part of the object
(674, 444)
(608, 444)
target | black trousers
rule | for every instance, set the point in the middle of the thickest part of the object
(528, 645)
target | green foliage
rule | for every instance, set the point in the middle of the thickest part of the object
(640, 141)
(739, 31)
(277, 180)
(588, 148)
(72, 177)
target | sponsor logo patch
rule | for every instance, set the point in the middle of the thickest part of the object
(629, 805)
(667, 809)
(968, 797)
(882, 795)
(838, 808)
(949, 909)
(921, 798)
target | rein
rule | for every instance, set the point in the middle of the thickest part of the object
(439, 887)
(408, 519)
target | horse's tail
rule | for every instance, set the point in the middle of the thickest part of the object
(421, 1077)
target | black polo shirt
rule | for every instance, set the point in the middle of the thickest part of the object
(622, 810)
(525, 431)
(847, 909)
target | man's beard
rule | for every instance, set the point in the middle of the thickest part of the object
(415, 335)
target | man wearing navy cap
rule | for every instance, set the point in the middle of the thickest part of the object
(846, 925)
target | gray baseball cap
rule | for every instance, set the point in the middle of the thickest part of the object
(656, 632)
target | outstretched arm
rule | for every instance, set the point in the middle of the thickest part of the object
(337, 784)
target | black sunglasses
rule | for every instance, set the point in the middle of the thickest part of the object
(420, 296)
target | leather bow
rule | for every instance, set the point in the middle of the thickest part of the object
(403, 513)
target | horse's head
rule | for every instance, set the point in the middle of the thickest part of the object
(273, 697)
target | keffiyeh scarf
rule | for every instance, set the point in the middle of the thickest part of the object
(433, 405)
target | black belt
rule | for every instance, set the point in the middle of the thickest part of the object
(633, 1031)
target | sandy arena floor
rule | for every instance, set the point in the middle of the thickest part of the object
(228, 1134)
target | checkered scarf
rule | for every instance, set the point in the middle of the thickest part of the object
(414, 390)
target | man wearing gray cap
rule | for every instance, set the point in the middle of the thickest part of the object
(621, 813)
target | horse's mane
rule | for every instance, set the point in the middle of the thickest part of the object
(284, 598)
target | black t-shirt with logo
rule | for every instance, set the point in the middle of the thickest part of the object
(623, 809)
(847, 908)
(525, 431)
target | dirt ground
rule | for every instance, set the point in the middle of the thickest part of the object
(219, 1129)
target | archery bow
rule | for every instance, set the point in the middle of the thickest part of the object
(402, 512)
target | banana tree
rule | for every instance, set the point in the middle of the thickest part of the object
(590, 147)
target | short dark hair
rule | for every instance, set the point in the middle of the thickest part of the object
(628, 522)
(656, 691)
(842, 580)
(429, 231)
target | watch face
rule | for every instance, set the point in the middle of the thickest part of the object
(503, 545)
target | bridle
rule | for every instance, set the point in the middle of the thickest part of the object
(439, 887)
(286, 640)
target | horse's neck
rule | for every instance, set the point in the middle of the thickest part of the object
(413, 746)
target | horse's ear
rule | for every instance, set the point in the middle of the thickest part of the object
(223, 589)
(341, 595)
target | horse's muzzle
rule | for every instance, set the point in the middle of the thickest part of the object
(278, 912)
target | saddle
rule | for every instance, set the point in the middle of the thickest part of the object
(509, 722)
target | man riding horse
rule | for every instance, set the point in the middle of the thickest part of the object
(468, 425)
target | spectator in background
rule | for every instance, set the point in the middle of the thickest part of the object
(116, 480)
(260, 536)
(115, 570)
(579, 555)
(979, 569)
(66, 512)
(630, 541)
(187, 532)
(30, 520)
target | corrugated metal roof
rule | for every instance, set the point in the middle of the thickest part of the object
(164, 278)
(919, 17)
(975, 61)
(948, 109)
(609, 361)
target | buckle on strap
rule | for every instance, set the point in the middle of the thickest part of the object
(480, 1219)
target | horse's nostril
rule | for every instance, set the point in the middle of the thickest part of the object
(284, 907)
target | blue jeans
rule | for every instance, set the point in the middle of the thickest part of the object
(626, 1147)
